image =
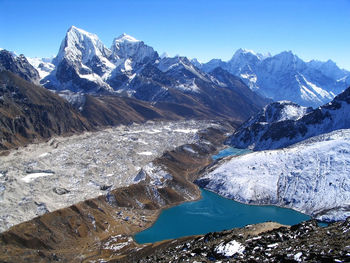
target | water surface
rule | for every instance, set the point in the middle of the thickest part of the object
(230, 151)
(213, 213)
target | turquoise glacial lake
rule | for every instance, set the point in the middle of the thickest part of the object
(214, 213)
(230, 151)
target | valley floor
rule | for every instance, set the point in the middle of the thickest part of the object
(66, 170)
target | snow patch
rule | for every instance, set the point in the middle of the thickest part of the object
(186, 130)
(145, 153)
(230, 248)
(30, 177)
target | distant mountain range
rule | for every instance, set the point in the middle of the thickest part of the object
(97, 80)
(285, 76)
(281, 124)
(130, 67)
(29, 112)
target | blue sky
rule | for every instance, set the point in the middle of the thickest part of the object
(317, 29)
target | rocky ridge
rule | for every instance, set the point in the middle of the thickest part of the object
(29, 112)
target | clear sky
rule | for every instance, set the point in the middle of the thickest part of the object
(312, 29)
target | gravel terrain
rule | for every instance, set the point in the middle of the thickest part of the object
(65, 170)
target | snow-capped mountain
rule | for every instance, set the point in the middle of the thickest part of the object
(328, 68)
(127, 47)
(84, 64)
(43, 65)
(18, 65)
(132, 68)
(311, 177)
(285, 76)
(282, 123)
(81, 64)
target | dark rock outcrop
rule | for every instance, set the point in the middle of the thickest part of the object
(18, 65)
(305, 242)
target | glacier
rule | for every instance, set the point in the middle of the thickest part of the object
(312, 177)
(67, 170)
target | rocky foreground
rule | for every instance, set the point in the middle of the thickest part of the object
(267, 242)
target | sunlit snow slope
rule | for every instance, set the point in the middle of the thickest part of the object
(312, 177)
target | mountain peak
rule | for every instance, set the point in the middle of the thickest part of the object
(288, 53)
(18, 65)
(80, 44)
(128, 47)
(245, 51)
(125, 37)
(73, 30)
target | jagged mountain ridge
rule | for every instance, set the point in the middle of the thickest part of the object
(285, 76)
(83, 63)
(261, 133)
(24, 122)
(131, 68)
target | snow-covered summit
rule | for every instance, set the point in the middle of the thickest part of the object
(328, 68)
(128, 47)
(80, 45)
(125, 37)
(42, 65)
(81, 64)
(184, 72)
(281, 111)
(246, 52)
